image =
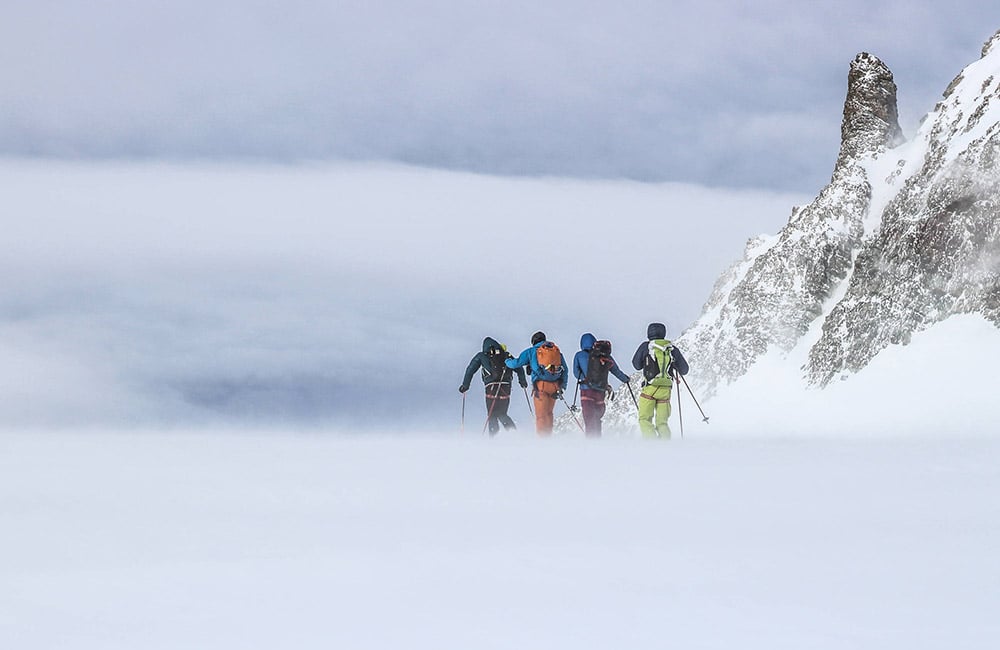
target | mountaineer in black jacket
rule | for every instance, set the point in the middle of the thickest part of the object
(496, 381)
(660, 361)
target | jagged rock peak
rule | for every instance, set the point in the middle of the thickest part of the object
(871, 118)
(994, 41)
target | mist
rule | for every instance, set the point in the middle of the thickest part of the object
(344, 296)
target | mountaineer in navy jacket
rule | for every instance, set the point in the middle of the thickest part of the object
(496, 381)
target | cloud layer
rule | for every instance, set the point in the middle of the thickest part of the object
(335, 295)
(720, 93)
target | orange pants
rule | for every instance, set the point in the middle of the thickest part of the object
(545, 403)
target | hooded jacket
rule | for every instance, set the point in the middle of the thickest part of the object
(482, 360)
(659, 331)
(581, 359)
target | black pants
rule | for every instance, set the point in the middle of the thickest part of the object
(497, 403)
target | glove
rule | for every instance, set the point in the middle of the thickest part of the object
(524, 384)
(462, 389)
(559, 393)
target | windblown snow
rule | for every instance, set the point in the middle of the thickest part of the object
(215, 540)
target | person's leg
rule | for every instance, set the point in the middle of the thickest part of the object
(501, 409)
(492, 404)
(545, 403)
(647, 407)
(591, 420)
(599, 408)
(663, 412)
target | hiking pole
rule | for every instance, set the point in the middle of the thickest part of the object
(463, 412)
(527, 399)
(575, 392)
(493, 404)
(680, 413)
(575, 419)
(704, 418)
(630, 392)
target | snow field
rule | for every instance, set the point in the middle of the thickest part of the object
(231, 540)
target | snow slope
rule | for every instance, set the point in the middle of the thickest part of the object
(234, 541)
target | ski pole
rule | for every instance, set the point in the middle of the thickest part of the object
(463, 412)
(704, 418)
(630, 392)
(527, 399)
(575, 419)
(680, 413)
(575, 392)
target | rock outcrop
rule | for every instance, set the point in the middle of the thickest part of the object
(936, 251)
(905, 235)
(783, 284)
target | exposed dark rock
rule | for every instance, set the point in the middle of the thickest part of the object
(854, 280)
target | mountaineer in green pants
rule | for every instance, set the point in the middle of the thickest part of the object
(659, 360)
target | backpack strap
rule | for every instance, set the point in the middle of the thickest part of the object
(665, 349)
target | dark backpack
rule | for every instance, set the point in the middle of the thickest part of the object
(494, 369)
(599, 365)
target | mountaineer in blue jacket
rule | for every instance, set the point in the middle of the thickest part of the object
(591, 367)
(549, 376)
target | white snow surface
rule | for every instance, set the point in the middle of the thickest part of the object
(941, 383)
(231, 540)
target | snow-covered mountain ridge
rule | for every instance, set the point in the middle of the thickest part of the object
(904, 236)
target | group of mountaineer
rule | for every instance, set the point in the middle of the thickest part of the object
(659, 360)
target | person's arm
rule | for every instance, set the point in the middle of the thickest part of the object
(520, 376)
(565, 373)
(639, 358)
(617, 372)
(679, 363)
(521, 361)
(580, 365)
(474, 365)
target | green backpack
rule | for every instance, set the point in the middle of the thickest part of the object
(656, 369)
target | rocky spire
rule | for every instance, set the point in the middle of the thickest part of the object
(937, 249)
(770, 299)
(871, 120)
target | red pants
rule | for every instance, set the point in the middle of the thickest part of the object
(593, 406)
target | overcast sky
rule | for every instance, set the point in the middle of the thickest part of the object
(731, 94)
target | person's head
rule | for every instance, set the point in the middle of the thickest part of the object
(587, 341)
(537, 338)
(491, 346)
(656, 331)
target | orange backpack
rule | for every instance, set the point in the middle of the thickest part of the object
(549, 361)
